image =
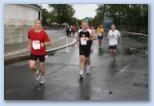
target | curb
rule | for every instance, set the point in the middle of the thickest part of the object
(26, 56)
(25, 50)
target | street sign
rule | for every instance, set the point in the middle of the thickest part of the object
(108, 22)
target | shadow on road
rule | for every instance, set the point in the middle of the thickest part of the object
(38, 92)
(113, 68)
(84, 88)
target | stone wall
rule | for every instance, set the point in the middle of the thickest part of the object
(18, 18)
(15, 33)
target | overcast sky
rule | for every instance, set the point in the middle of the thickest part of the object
(82, 10)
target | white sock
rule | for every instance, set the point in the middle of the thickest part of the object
(81, 72)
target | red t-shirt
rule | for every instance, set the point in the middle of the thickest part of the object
(37, 38)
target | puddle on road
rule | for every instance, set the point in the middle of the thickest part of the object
(146, 74)
(108, 92)
(136, 51)
(140, 85)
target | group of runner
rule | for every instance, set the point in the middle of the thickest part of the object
(71, 30)
(38, 39)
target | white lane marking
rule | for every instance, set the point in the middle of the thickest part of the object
(124, 69)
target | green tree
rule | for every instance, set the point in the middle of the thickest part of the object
(47, 17)
(133, 16)
(63, 12)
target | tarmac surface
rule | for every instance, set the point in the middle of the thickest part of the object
(126, 79)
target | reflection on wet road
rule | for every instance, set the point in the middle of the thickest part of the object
(126, 79)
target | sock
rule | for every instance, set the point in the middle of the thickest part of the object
(81, 72)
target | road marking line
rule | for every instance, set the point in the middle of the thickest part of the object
(124, 69)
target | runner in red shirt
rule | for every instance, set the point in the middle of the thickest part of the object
(37, 42)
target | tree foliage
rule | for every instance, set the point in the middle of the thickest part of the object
(133, 16)
(63, 12)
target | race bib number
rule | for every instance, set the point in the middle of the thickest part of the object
(36, 44)
(83, 41)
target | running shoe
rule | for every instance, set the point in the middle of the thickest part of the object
(81, 75)
(42, 80)
(88, 70)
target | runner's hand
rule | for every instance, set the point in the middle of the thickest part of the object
(42, 44)
(86, 38)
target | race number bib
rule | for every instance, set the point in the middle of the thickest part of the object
(36, 44)
(83, 41)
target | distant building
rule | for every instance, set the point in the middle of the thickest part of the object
(18, 18)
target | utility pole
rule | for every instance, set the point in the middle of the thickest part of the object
(103, 16)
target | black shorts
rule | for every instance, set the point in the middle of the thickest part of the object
(100, 37)
(41, 58)
(113, 47)
(85, 51)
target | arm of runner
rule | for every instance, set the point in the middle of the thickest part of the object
(77, 37)
(108, 35)
(119, 37)
(92, 35)
(47, 40)
(46, 43)
(119, 34)
(103, 31)
(29, 44)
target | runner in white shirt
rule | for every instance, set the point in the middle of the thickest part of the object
(113, 37)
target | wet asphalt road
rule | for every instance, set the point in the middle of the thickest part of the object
(123, 80)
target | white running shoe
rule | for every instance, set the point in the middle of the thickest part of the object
(37, 75)
(81, 74)
(42, 80)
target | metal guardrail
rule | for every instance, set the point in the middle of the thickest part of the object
(25, 56)
(136, 34)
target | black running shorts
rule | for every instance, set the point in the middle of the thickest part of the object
(85, 51)
(41, 58)
(113, 47)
